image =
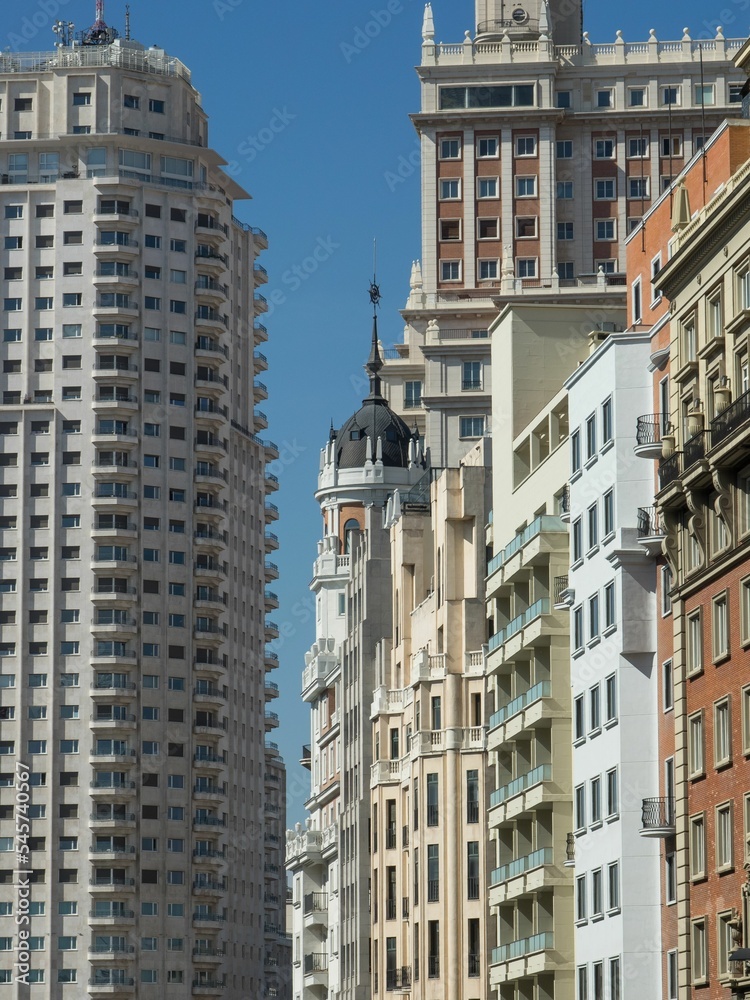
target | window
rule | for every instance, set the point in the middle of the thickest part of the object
(575, 452)
(563, 99)
(604, 189)
(472, 375)
(637, 97)
(694, 643)
(605, 229)
(487, 187)
(526, 187)
(450, 189)
(597, 893)
(526, 267)
(605, 98)
(720, 627)
(564, 149)
(450, 270)
(157, 107)
(565, 190)
(667, 685)
(696, 752)
(471, 427)
(582, 982)
(578, 628)
(565, 231)
(489, 269)
(705, 95)
(722, 733)
(450, 149)
(487, 148)
(638, 187)
(608, 506)
(525, 145)
(579, 718)
(580, 808)
(604, 149)
(595, 720)
(698, 953)
(592, 517)
(581, 901)
(412, 395)
(594, 617)
(724, 830)
(432, 800)
(596, 800)
(613, 797)
(637, 148)
(697, 846)
(610, 686)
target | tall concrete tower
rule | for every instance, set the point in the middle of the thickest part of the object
(133, 512)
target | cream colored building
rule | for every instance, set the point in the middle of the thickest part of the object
(540, 150)
(428, 781)
(535, 346)
(133, 521)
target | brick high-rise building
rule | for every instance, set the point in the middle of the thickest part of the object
(132, 539)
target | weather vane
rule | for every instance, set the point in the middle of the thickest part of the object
(374, 287)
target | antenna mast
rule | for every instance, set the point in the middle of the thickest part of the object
(127, 22)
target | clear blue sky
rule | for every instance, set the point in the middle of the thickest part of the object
(316, 124)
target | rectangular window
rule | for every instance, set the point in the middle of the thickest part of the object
(487, 187)
(526, 187)
(450, 189)
(613, 795)
(611, 698)
(694, 643)
(697, 846)
(724, 830)
(720, 632)
(722, 733)
(696, 753)
(581, 901)
(698, 952)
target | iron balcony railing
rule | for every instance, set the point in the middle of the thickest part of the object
(390, 909)
(433, 967)
(472, 811)
(316, 962)
(474, 965)
(650, 427)
(729, 420)
(433, 890)
(670, 469)
(398, 979)
(657, 813)
(560, 586)
(650, 522)
(695, 448)
(316, 902)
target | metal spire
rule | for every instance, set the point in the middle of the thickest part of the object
(374, 362)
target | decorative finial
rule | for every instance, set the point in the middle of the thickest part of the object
(374, 287)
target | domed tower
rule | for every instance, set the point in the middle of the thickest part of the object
(371, 457)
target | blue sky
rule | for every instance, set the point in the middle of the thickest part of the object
(309, 102)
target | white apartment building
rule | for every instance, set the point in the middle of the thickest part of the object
(614, 676)
(133, 678)
(540, 151)
(373, 454)
(535, 345)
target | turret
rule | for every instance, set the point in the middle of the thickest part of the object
(561, 20)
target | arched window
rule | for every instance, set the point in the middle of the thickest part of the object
(351, 526)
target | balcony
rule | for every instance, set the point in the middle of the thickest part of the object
(398, 979)
(536, 776)
(315, 908)
(534, 694)
(670, 469)
(731, 419)
(657, 818)
(522, 948)
(560, 591)
(651, 531)
(648, 433)
(316, 969)
(517, 872)
(694, 450)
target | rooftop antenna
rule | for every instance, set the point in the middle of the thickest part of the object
(127, 22)
(64, 31)
(99, 33)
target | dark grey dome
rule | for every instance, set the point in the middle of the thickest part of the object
(374, 420)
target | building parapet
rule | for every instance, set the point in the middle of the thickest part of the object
(617, 53)
(131, 58)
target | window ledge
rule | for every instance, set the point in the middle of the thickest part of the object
(591, 461)
(608, 537)
(581, 741)
(596, 917)
(609, 630)
(575, 475)
(607, 446)
(595, 732)
(694, 673)
(593, 642)
(577, 653)
(722, 765)
(611, 723)
(592, 551)
(614, 818)
(725, 870)
(577, 564)
(696, 776)
(718, 660)
(596, 824)
(614, 912)
(581, 923)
